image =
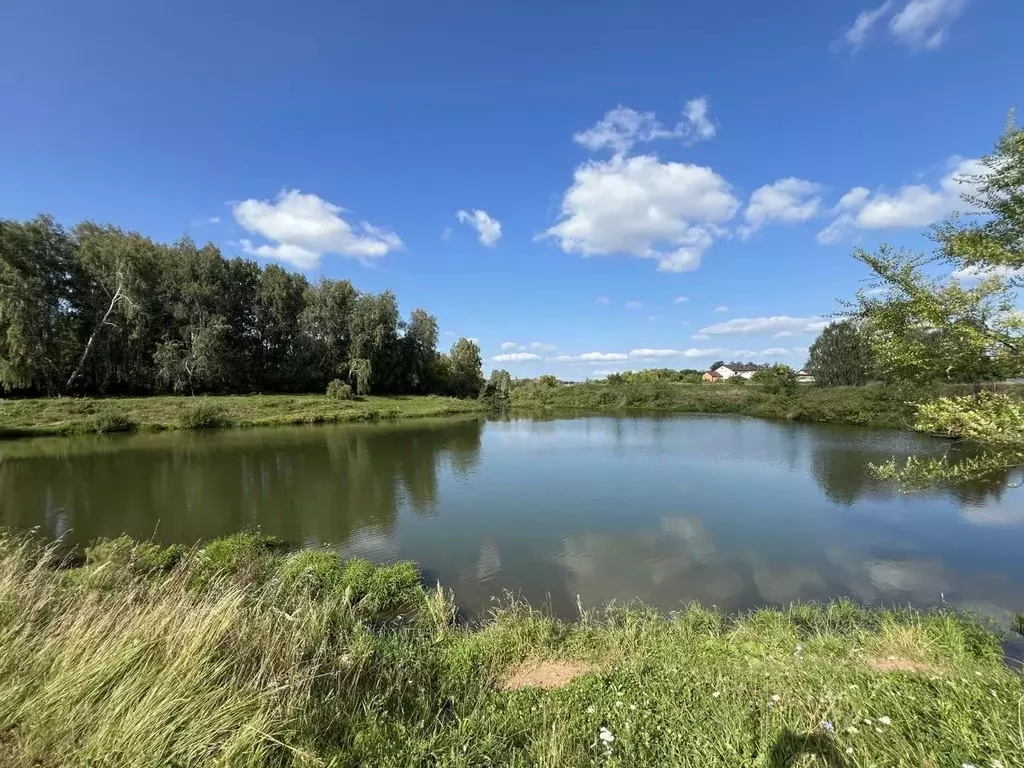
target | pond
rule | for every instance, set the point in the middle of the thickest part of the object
(726, 510)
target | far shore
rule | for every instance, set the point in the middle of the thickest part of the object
(870, 406)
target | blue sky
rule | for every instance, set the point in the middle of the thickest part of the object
(609, 158)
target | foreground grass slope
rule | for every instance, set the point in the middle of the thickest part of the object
(68, 416)
(243, 654)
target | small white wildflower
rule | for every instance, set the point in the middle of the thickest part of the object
(618, 704)
(849, 750)
(775, 697)
(968, 765)
(996, 763)
(884, 720)
(716, 694)
(632, 706)
(867, 721)
(591, 710)
(827, 726)
(605, 735)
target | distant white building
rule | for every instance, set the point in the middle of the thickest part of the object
(743, 370)
(804, 377)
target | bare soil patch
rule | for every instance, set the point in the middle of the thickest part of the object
(545, 674)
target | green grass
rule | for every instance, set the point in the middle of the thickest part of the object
(865, 406)
(71, 416)
(311, 661)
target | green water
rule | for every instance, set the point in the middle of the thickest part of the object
(730, 511)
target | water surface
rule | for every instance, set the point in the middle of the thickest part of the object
(731, 511)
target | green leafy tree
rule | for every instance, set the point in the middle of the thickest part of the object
(463, 369)
(962, 325)
(777, 379)
(841, 356)
(39, 282)
(498, 386)
(419, 352)
(361, 371)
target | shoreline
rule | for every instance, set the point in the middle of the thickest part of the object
(64, 417)
(245, 652)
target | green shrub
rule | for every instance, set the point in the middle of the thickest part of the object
(202, 415)
(249, 555)
(135, 556)
(339, 390)
(113, 422)
(313, 572)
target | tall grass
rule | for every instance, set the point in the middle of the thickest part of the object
(242, 654)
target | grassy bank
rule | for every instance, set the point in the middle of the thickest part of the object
(242, 654)
(70, 416)
(865, 406)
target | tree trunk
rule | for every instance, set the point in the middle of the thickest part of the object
(117, 298)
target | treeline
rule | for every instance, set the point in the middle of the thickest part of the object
(101, 311)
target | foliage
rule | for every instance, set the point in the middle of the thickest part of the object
(361, 371)
(150, 670)
(461, 369)
(924, 328)
(101, 311)
(339, 390)
(498, 386)
(777, 379)
(202, 415)
(648, 375)
(113, 422)
(136, 556)
(547, 380)
(867, 406)
(841, 356)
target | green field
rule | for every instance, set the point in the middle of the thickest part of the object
(243, 654)
(69, 416)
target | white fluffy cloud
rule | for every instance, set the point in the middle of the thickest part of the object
(302, 228)
(974, 274)
(919, 24)
(539, 346)
(770, 352)
(696, 126)
(634, 304)
(720, 309)
(865, 21)
(916, 205)
(488, 228)
(924, 24)
(764, 326)
(515, 357)
(787, 200)
(641, 206)
(680, 299)
(636, 354)
(623, 127)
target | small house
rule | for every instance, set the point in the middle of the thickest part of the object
(743, 370)
(711, 376)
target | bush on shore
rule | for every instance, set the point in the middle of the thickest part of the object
(285, 666)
